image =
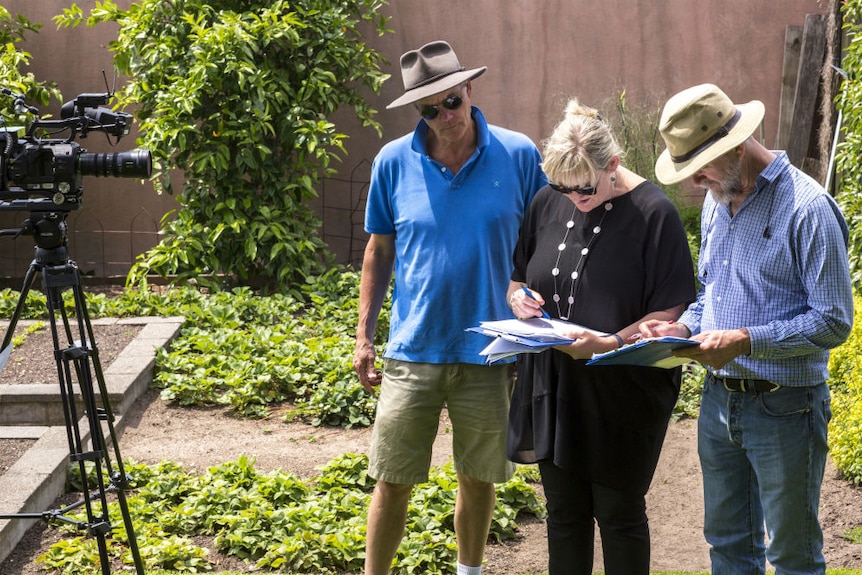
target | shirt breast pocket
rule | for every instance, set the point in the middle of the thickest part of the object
(705, 272)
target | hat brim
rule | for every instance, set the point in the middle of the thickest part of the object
(440, 85)
(669, 172)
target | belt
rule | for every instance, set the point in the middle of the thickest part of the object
(736, 384)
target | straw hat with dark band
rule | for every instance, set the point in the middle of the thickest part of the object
(431, 69)
(699, 125)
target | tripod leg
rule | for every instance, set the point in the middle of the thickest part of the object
(118, 477)
(19, 307)
(82, 355)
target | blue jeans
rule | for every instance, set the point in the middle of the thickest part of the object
(763, 456)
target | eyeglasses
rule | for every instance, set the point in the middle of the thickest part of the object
(585, 191)
(430, 111)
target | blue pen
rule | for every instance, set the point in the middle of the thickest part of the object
(530, 295)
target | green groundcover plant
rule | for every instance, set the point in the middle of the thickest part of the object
(277, 522)
(251, 353)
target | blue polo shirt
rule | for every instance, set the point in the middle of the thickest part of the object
(454, 238)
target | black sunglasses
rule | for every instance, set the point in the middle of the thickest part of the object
(585, 191)
(429, 111)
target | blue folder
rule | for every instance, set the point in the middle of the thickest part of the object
(652, 351)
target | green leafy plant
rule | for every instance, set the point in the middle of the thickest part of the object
(513, 497)
(75, 556)
(177, 553)
(845, 382)
(13, 31)
(348, 470)
(269, 351)
(275, 521)
(688, 403)
(238, 97)
(33, 306)
(850, 149)
(20, 339)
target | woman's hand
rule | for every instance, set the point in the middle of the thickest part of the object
(659, 328)
(587, 343)
(525, 306)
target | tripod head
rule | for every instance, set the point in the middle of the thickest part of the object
(49, 230)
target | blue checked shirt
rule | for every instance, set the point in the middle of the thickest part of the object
(779, 268)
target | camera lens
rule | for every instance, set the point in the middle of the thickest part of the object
(131, 164)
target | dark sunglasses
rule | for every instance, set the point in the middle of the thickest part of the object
(585, 191)
(429, 111)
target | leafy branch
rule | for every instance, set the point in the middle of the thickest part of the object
(239, 100)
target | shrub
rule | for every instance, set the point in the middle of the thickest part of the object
(13, 30)
(238, 96)
(849, 151)
(845, 381)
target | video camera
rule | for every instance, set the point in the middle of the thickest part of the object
(43, 174)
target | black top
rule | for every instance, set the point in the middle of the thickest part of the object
(608, 422)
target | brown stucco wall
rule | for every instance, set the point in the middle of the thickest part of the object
(538, 53)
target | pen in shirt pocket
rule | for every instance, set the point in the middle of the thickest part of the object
(530, 295)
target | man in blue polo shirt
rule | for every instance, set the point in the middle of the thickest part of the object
(444, 209)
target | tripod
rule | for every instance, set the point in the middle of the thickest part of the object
(80, 357)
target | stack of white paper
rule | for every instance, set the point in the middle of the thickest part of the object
(515, 336)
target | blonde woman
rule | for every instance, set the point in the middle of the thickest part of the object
(604, 248)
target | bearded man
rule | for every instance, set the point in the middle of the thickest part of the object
(775, 297)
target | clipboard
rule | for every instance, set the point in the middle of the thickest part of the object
(649, 352)
(516, 336)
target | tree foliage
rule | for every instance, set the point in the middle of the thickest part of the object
(13, 78)
(849, 156)
(237, 95)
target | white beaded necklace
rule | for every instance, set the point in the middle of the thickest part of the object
(576, 273)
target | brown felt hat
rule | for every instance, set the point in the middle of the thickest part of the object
(431, 69)
(699, 125)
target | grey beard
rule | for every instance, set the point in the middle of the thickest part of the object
(729, 187)
(721, 195)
